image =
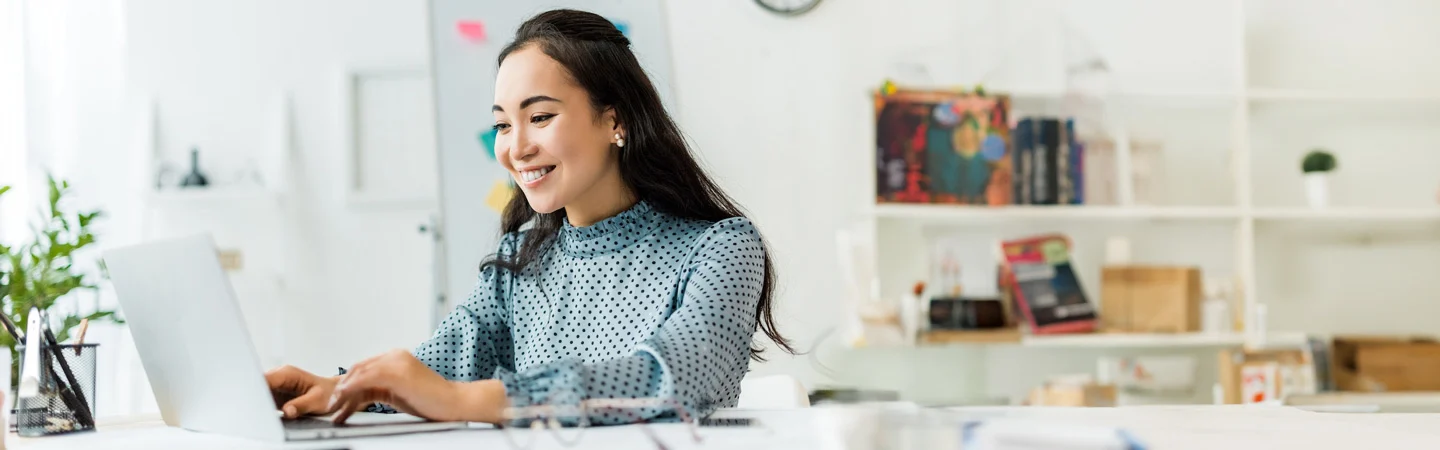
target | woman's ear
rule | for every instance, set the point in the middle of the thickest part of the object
(613, 121)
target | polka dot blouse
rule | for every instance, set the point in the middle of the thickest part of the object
(640, 305)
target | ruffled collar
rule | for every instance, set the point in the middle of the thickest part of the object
(615, 233)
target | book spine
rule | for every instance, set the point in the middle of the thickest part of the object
(1020, 159)
(1065, 189)
(1077, 165)
(1047, 189)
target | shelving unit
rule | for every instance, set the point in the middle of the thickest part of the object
(276, 171)
(1256, 201)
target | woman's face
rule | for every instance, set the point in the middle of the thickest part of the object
(552, 141)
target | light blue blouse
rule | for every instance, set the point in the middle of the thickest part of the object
(640, 305)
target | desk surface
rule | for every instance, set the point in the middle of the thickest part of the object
(1161, 427)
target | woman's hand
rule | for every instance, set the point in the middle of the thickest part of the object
(397, 379)
(299, 393)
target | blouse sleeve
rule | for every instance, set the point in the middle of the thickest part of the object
(475, 338)
(697, 357)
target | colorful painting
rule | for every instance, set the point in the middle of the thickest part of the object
(942, 147)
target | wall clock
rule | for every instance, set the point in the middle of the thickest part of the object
(788, 7)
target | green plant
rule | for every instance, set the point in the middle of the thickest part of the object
(42, 272)
(1318, 160)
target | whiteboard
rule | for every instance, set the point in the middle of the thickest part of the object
(464, 78)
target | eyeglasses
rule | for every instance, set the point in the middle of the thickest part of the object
(560, 419)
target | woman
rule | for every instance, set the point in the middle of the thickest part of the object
(638, 277)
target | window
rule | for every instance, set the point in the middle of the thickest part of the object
(13, 163)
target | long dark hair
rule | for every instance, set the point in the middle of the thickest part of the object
(655, 163)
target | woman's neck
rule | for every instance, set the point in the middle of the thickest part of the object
(606, 199)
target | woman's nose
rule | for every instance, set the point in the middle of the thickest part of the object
(523, 146)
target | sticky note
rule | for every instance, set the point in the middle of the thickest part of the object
(487, 140)
(499, 196)
(471, 30)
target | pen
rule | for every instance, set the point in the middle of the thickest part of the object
(11, 328)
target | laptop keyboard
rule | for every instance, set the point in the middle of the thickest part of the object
(309, 423)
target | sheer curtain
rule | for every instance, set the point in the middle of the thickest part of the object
(63, 112)
(13, 205)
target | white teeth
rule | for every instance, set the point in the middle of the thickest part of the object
(532, 175)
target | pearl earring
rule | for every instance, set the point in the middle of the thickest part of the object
(619, 141)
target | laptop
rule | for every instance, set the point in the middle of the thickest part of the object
(198, 354)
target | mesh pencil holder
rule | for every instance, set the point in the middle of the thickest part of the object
(55, 410)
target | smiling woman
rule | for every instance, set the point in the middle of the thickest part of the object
(637, 277)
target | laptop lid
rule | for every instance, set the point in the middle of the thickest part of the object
(192, 338)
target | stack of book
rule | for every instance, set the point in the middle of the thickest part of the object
(1049, 162)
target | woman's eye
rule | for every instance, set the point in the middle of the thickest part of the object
(501, 126)
(541, 118)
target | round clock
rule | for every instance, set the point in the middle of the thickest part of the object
(788, 7)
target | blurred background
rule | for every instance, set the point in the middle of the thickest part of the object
(968, 201)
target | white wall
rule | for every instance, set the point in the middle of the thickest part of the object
(217, 71)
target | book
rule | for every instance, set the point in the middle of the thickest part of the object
(1023, 157)
(1046, 288)
(1077, 165)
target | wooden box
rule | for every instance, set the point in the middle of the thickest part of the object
(1088, 394)
(1386, 363)
(1150, 299)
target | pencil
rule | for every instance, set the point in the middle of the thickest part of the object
(80, 341)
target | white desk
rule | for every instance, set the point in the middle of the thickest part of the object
(1161, 427)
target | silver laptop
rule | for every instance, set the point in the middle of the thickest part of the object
(198, 354)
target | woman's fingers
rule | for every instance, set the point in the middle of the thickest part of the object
(356, 389)
(346, 409)
(314, 401)
(353, 401)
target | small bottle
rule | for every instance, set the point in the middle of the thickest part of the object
(194, 178)
(1215, 310)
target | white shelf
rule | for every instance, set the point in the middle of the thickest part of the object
(1307, 95)
(199, 196)
(951, 213)
(1349, 214)
(1130, 340)
(1118, 340)
(1038, 93)
(963, 213)
(1254, 94)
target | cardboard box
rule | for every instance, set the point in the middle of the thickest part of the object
(1150, 299)
(1265, 376)
(1065, 394)
(1386, 363)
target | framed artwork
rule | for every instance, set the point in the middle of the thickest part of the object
(942, 147)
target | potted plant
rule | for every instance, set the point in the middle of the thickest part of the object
(1317, 166)
(43, 272)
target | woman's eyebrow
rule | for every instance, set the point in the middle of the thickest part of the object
(529, 101)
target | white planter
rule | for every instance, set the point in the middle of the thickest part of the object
(1317, 189)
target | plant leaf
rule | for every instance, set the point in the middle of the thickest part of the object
(54, 196)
